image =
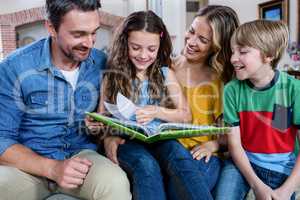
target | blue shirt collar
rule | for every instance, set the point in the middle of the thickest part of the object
(45, 59)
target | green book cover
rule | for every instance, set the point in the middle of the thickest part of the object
(165, 130)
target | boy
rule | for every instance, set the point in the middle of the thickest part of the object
(263, 108)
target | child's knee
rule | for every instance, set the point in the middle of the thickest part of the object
(147, 166)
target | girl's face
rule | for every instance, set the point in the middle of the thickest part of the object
(249, 63)
(143, 48)
(198, 40)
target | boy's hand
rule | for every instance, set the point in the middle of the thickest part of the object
(263, 192)
(93, 126)
(70, 173)
(111, 144)
(282, 194)
(146, 114)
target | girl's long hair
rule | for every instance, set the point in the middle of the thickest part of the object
(121, 73)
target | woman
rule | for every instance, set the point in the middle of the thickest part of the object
(202, 69)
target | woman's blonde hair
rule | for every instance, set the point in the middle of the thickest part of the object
(223, 21)
(269, 37)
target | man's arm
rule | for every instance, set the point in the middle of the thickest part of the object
(261, 190)
(25, 159)
(69, 173)
(12, 110)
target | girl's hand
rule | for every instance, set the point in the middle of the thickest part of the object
(94, 127)
(111, 144)
(146, 114)
(205, 150)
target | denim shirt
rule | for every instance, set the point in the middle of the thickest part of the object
(39, 108)
(144, 100)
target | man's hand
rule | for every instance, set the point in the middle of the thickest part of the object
(94, 127)
(111, 144)
(70, 173)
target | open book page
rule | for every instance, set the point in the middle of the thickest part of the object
(126, 107)
(181, 126)
(113, 109)
(140, 132)
(124, 113)
(112, 122)
(132, 124)
(184, 133)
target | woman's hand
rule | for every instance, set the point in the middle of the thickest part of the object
(146, 114)
(205, 150)
(111, 144)
(94, 127)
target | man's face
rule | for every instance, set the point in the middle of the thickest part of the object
(76, 35)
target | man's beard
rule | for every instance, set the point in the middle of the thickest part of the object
(72, 56)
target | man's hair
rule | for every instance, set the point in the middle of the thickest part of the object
(56, 9)
(269, 37)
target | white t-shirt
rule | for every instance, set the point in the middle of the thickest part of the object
(71, 76)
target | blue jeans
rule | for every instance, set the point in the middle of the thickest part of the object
(186, 177)
(232, 185)
(143, 171)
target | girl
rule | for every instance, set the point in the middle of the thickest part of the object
(138, 68)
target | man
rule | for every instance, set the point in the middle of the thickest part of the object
(45, 88)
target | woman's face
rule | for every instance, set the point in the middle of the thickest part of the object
(143, 48)
(198, 40)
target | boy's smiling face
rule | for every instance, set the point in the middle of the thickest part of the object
(249, 63)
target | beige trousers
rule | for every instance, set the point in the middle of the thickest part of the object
(105, 181)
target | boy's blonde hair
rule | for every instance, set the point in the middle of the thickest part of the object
(270, 37)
